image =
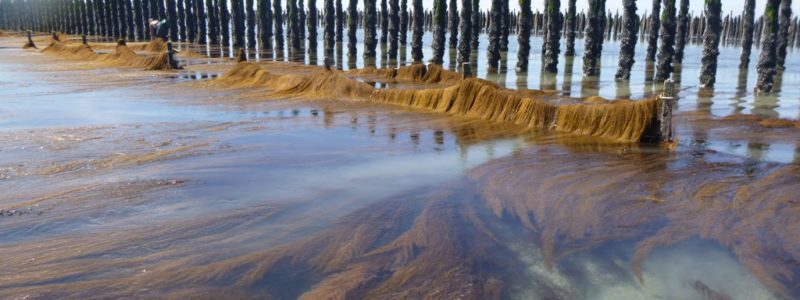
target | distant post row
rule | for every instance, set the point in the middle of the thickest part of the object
(667, 28)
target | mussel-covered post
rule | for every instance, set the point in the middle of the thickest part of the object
(630, 28)
(748, 19)
(769, 42)
(465, 27)
(524, 36)
(652, 35)
(666, 53)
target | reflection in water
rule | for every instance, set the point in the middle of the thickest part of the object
(623, 89)
(567, 83)
(705, 96)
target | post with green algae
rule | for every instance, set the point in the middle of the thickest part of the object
(666, 52)
(769, 41)
(711, 37)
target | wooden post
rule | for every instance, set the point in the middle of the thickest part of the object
(241, 56)
(466, 70)
(665, 113)
(171, 56)
(30, 43)
(83, 40)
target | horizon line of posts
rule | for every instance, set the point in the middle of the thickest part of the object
(666, 29)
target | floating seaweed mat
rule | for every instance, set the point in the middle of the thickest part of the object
(623, 120)
(122, 56)
(418, 73)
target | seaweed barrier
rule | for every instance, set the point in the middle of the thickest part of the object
(417, 73)
(621, 120)
(122, 56)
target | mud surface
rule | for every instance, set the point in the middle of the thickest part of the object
(128, 183)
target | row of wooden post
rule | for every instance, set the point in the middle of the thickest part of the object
(249, 23)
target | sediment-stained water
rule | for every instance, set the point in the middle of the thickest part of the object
(124, 183)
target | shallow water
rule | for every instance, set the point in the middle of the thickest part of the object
(124, 183)
(733, 94)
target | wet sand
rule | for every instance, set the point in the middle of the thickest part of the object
(126, 183)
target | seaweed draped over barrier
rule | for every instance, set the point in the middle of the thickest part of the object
(122, 56)
(624, 120)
